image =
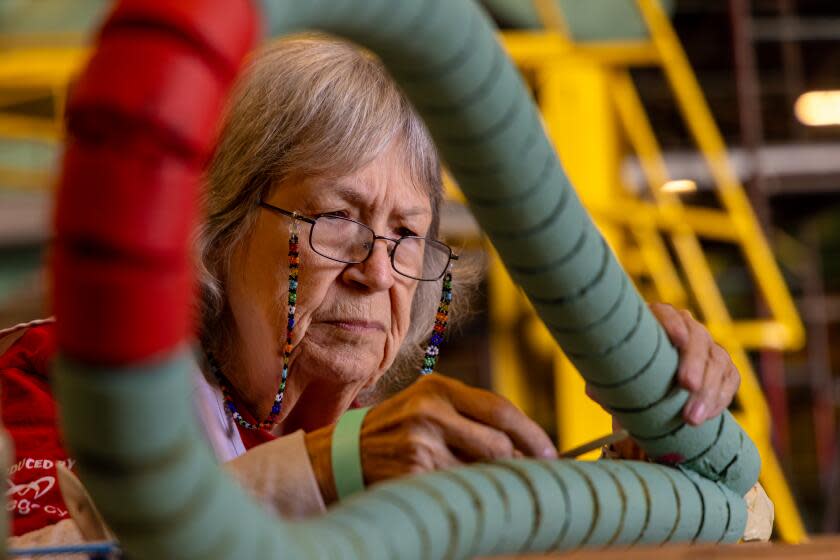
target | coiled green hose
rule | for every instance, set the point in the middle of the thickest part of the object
(159, 489)
(142, 458)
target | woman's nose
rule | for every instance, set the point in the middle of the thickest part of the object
(376, 272)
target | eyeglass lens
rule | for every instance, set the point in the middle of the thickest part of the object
(348, 241)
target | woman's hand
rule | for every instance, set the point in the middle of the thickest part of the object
(436, 423)
(705, 369)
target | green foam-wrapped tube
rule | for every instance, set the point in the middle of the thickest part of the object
(610, 507)
(641, 388)
(729, 446)
(426, 510)
(615, 322)
(462, 514)
(553, 510)
(661, 502)
(520, 507)
(363, 540)
(737, 515)
(404, 538)
(666, 410)
(634, 504)
(513, 506)
(690, 510)
(602, 300)
(490, 508)
(583, 510)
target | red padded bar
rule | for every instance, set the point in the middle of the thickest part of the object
(148, 81)
(140, 206)
(225, 30)
(142, 121)
(114, 312)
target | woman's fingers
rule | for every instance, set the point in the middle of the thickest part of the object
(691, 339)
(705, 369)
(673, 321)
(443, 458)
(710, 399)
(731, 381)
(497, 412)
(439, 422)
(694, 349)
(476, 442)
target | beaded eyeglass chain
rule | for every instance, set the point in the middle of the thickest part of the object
(277, 406)
(441, 319)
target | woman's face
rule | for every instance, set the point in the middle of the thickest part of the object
(351, 318)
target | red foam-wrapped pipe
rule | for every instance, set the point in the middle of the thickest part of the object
(222, 31)
(141, 124)
(150, 201)
(104, 291)
(168, 93)
(123, 248)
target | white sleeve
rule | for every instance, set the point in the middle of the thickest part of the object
(280, 476)
(221, 432)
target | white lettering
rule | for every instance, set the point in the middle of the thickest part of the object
(55, 510)
(31, 463)
(24, 507)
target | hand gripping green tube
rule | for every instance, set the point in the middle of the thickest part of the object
(143, 459)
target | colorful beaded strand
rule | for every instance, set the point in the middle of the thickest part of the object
(441, 319)
(276, 407)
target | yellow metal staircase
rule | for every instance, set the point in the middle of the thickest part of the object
(594, 115)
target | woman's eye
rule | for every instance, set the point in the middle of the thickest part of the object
(406, 232)
(334, 214)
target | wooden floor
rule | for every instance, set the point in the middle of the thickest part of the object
(820, 548)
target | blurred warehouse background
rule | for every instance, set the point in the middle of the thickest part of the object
(704, 135)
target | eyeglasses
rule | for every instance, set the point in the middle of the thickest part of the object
(348, 241)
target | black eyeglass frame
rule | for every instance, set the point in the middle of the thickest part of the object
(311, 221)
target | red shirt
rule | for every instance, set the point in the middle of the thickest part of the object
(29, 415)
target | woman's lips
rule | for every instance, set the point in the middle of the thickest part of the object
(353, 325)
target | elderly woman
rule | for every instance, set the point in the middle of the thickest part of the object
(322, 277)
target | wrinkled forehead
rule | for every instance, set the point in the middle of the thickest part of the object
(404, 199)
(404, 160)
(397, 176)
(370, 193)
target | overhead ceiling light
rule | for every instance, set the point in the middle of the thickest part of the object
(818, 108)
(679, 186)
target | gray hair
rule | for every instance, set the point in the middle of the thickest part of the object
(307, 106)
